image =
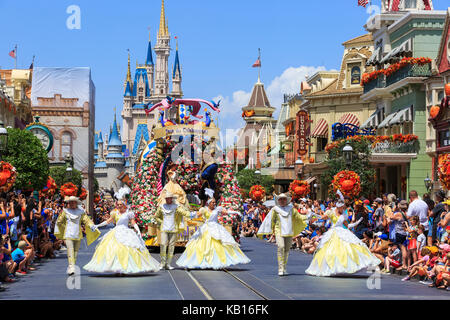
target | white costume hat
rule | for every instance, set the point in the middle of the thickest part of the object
(280, 196)
(169, 195)
(72, 198)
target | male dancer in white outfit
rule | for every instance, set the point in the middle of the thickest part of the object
(170, 216)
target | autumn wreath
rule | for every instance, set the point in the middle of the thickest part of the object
(299, 189)
(348, 182)
(7, 176)
(257, 192)
(444, 171)
(68, 189)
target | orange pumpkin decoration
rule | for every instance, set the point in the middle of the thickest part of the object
(347, 185)
(434, 111)
(447, 89)
(311, 160)
(300, 190)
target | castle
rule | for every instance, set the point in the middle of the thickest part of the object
(121, 150)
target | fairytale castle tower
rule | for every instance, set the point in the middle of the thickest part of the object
(150, 85)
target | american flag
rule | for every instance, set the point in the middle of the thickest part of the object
(12, 54)
(257, 63)
(363, 3)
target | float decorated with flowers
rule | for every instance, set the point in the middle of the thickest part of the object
(8, 176)
(444, 171)
(257, 193)
(299, 189)
(185, 143)
(348, 182)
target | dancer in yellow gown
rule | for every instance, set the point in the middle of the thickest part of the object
(172, 187)
(340, 251)
(211, 246)
(122, 250)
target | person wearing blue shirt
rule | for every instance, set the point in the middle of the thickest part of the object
(20, 258)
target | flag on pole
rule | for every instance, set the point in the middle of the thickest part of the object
(257, 63)
(363, 3)
(12, 54)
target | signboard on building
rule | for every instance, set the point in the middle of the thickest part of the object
(303, 124)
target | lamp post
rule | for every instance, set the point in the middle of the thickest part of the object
(428, 183)
(347, 151)
(299, 166)
(3, 140)
(316, 186)
(69, 169)
(258, 174)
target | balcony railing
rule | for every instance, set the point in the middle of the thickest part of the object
(379, 82)
(413, 70)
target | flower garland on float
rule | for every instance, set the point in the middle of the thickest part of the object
(299, 189)
(257, 193)
(444, 171)
(348, 182)
(68, 189)
(367, 77)
(8, 176)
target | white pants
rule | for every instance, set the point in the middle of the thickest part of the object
(167, 247)
(284, 245)
(72, 250)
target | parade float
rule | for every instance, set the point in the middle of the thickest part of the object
(183, 153)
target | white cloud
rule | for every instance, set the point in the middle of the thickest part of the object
(286, 83)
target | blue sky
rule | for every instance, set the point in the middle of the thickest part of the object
(218, 43)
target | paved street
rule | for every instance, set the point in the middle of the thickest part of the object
(255, 281)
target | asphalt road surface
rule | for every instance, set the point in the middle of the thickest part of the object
(255, 281)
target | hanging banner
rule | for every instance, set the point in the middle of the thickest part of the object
(303, 123)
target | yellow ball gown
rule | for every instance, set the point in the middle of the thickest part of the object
(340, 252)
(122, 250)
(174, 188)
(211, 246)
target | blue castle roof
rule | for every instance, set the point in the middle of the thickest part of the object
(141, 73)
(176, 67)
(100, 164)
(114, 138)
(128, 90)
(149, 60)
(141, 131)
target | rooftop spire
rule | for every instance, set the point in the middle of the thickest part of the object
(149, 60)
(128, 88)
(163, 29)
(129, 70)
(114, 138)
(177, 66)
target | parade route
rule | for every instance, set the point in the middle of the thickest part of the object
(254, 281)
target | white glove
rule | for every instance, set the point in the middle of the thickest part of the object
(104, 223)
(93, 227)
(352, 225)
(137, 229)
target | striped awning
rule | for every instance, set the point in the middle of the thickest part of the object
(374, 120)
(402, 116)
(375, 58)
(405, 49)
(349, 118)
(385, 122)
(321, 129)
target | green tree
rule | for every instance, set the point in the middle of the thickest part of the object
(360, 164)
(60, 176)
(26, 154)
(247, 178)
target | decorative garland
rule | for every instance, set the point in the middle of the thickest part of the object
(374, 139)
(83, 194)
(49, 189)
(257, 193)
(444, 171)
(8, 176)
(348, 182)
(367, 77)
(68, 189)
(299, 189)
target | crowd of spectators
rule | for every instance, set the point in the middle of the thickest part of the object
(407, 236)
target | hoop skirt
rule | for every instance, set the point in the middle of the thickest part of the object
(211, 247)
(340, 252)
(122, 250)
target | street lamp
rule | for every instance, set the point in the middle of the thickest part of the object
(428, 183)
(299, 166)
(3, 139)
(348, 154)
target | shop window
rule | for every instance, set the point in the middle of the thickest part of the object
(355, 75)
(66, 144)
(321, 144)
(444, 138)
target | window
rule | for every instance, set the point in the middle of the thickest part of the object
(141, 90)
(66, 144)
(141, 99)
(440, 96)
(321, 144)
(444, 138)
(410, 4)
(356, 75)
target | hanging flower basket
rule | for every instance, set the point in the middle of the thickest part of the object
(49, 189)
(68, 189)
(257, 193)
(444, 171)
(299, 189)
(8, 176)
(348, 182)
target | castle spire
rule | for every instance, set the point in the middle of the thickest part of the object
(176, 67)
(129, 70)
(128, 88)
(149, 61)
(163, 29)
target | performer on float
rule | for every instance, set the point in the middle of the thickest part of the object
(122, 250)
(172, 187)
(211, 246)
(285, 222)
(340, 251)
(170, 216)
(68, 228)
